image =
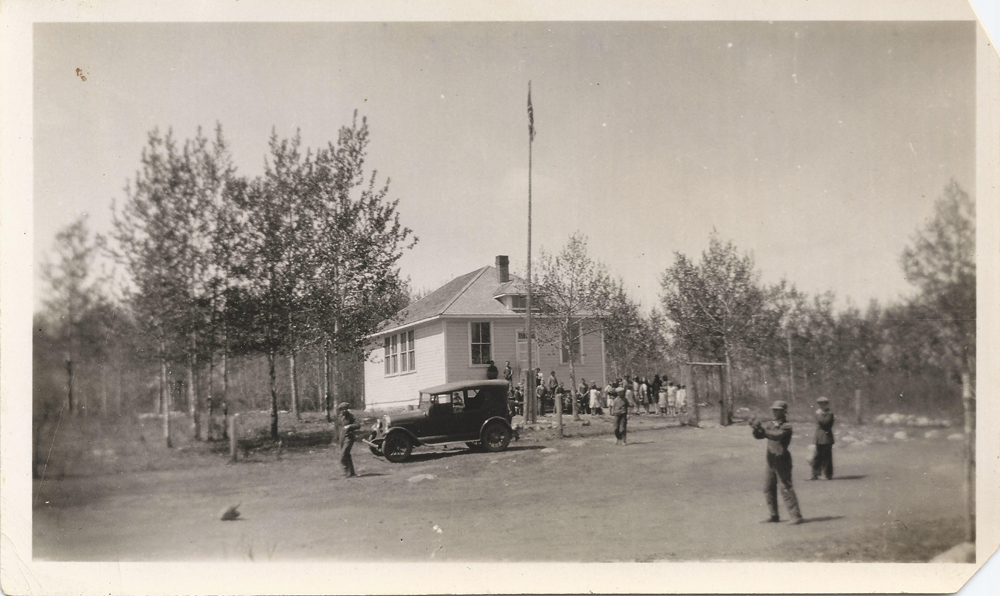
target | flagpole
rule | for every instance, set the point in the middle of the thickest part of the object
(529, 397)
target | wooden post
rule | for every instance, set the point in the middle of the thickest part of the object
(857, 407)
(723, 390)
(232, 438)
(969, 405)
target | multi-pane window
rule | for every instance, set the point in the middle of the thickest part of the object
(400, 353)
(481, 343)
(571, 344)
(519, 303)
(407, 355)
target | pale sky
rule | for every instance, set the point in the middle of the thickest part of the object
(820, 147)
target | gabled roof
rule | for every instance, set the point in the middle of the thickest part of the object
(470, 294)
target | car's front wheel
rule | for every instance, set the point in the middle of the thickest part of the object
(397, 447)
(496, 437)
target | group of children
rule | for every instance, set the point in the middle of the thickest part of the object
(659, 396)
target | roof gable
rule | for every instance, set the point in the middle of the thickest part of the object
(471, 294)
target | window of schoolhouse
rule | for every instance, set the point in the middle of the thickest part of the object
(481, 343)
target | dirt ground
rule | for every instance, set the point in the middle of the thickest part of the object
(674, 493)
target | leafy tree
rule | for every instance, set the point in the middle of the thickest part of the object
(718, 309)
(166, 239)
(941, 263)
(574, 298)
(356, 283)
(75, 291)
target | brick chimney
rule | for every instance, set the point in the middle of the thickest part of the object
(503, 272)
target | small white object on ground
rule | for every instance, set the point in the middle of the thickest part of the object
(900, 435)
(932, 434)
(956, 437)
(422, 477)
(550, 450)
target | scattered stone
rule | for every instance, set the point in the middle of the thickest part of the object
(923, 421)
(901, 435)
(437, 529)
(577, 443)
(932, 434)
(946, 423)
(956, 437)
(550, 450)
(585, 422)
(964, 552)
(848, 439)
(422, 477)
(494, 461)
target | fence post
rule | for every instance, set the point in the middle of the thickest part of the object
(232, 438)
(857, 407)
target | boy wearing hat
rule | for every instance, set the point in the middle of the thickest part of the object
(619, 409)
(348, 426)
(823, 460)
(778, 433)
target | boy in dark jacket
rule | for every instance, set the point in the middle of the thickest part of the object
(823, 460)
(348, 425)
(778, 433)
(619, 409)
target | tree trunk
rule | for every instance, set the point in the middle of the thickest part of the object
(192, 393)
(857, 407)
(293, 381)
(326, 383)
(209, 398)
(791, 369)
(729, 390)
(69, 385)
(273, 384)
(574, 407)
(225, 383)
(334, 386)
(164, 394)
(969, 405)
(104, 390)
(723, 420)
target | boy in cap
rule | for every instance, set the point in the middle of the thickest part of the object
(619, 409)
(778, 433)
(348, 426)
(823, 460)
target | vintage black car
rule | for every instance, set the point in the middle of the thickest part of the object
(470, 412)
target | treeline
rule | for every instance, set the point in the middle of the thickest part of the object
(779, 343)
(222, 272)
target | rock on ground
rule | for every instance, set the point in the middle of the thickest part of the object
(900, 435)
(956, 437)
(932, 434)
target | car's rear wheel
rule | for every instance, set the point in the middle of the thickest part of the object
(397, 447)
(496, 437)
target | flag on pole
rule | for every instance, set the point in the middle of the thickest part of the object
(531, 116)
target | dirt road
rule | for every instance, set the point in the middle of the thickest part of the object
(672, 494)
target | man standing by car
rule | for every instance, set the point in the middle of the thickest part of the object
(348, 425)
(508, 375)
(778, 433)
(823, 460)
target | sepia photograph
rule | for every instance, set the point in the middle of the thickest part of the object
(640, 295)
